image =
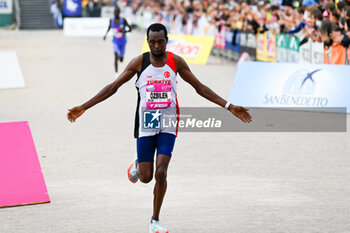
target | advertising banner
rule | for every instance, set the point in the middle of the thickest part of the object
(260, 48)
(305, 53)
(5, 12)
(233, 40)
(72, 8)
(266, 49)
(248, 44)
(232, 44)
(317, 53)
(311, 53)
(10, 71)
(85, 26)
(287, 48)
(107, 12)
(271, 47)
(6, 6)
(194, 49)
(259, 84)
(220, 38)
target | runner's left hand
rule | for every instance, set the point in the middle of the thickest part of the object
(241, 113)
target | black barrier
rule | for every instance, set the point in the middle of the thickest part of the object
(248, 44)
(236, 43)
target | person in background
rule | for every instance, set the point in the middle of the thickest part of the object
(84, 5)
(335, 44)
(299, 20)
(94, 7)
(55, 9)
(118, 25)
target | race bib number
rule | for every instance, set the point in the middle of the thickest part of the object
(158, 96)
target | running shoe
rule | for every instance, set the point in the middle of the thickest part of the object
(132, 172)
(155, 227)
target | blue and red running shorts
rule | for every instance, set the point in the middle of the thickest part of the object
(146, 146)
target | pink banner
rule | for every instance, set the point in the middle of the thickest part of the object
(21, 179)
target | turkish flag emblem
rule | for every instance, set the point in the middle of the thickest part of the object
(166, 74)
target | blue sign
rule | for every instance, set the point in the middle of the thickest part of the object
(152, 119)
(233, 40)
(72, 8)
(260, 84)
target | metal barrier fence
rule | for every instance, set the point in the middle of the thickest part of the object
(267, 46)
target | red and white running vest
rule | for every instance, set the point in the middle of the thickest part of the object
(157, 90)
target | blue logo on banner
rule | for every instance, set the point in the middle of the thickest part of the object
(309, 76)
(3, 4)
(301, 82)
(262, 84)
(152, 119)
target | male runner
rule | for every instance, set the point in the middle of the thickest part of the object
(118, 25)
(156, 84)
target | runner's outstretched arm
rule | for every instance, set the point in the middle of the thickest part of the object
(187, 75)
(109, 28)
(129, 72)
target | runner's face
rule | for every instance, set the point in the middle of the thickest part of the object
(157, 43)
(116, 12)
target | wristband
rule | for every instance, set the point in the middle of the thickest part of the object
(227, 105)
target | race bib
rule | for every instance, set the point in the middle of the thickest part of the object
(158, 96)
(118, 33)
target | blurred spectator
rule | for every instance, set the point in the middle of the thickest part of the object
(55, 9)
(94, 8)
(336, 44)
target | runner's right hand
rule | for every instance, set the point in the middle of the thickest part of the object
(74, 113)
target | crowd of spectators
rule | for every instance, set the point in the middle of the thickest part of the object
(322, 21)
(319, 20)
(204, 17)
(200, 17)
(92, 8)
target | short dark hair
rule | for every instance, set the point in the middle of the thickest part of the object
(341, 5)
(335, 27)
(301, 10)
(329, 5)
(157, 27)
(317, 14)
(287, 3)
(326, 27)
(335, 14)
(274, 8)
